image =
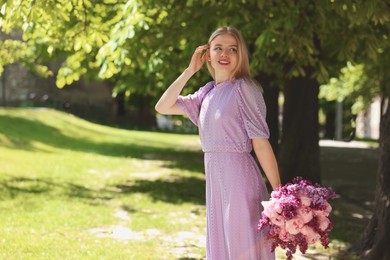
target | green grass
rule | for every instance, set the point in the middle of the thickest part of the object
(71, 189)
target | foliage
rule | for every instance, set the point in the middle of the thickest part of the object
(292, 37)
(143, 45)
(23, 52)
(352, 86)
(356, 86)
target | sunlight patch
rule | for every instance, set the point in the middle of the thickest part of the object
(357, 215)
(184, 242)
(124, 233)
(152, 232)
(122, 214)
(151, 175)
(351, 144)
(117, 232)
(192, 144)
(104, 174)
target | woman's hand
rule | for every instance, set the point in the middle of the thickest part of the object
(198, 58)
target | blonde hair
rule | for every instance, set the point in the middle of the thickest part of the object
(242, 69)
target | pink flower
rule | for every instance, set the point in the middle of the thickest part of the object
(283, 235)
(277, 220)
(268, 206)
(271, 208)
(310, 234)
(305, 214)
(306, 201)
(325, 212)
(328, 208)
(323, 222)
(294, 225)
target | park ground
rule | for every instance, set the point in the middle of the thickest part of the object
(72, 189)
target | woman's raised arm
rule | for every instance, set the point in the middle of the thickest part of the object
(167, 103)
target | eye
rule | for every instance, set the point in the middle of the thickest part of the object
(217, 48)
(233, 50)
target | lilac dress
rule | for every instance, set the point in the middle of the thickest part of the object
(228, 116)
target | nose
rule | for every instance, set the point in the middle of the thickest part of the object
(225, 53)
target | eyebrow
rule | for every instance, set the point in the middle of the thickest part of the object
(232, 45)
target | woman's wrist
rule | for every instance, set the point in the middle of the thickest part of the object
(188, 73)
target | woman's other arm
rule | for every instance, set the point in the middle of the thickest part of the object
(267, 160)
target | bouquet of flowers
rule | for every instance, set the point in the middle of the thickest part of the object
(297, 215)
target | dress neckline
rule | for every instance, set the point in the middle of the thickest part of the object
(223, 83)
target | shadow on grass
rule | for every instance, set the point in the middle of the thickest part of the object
(175, 190)
(351, 172)
(20, 186)
(22, 133)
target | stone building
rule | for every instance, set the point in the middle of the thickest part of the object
(20, 87)
(368, 121)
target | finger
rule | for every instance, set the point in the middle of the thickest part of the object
(202, 47)
(204, 54)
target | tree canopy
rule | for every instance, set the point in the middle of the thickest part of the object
(143, 45)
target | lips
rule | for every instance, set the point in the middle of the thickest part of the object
(224, 62)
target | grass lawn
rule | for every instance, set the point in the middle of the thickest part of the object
(70, 189)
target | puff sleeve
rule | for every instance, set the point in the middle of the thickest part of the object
(192, 103)
(252, 110)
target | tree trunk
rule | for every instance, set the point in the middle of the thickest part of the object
(142, 112)
(120, 104)
(330, 127)
(329, 109)
(374, 244)
(4, 87)
(299, 149)
(271, 96)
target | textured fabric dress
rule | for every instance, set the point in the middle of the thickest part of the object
(228, 116)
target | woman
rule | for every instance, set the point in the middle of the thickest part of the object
(230, 114)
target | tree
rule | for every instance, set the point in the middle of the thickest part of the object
(106, 40)
(310, 47)
(374, 242)
(130, 43)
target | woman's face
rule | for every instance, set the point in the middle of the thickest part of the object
(224, 55)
